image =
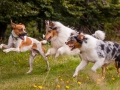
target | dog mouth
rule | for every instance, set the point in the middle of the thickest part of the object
(49, 39)
(71, 46)
(21, 36)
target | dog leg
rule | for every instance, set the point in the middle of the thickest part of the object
(97, 65)
(80, 67)
(104, 70)
(11, 49)
(51, 51)
(57, 54)
(118, 66)
(45, 58)
(31, 59)
(3, 46)
(61, 51)
(10, 42)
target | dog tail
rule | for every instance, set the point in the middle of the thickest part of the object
(99, 34)
(43, 41)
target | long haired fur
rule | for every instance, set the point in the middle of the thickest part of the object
(94, 50)
(99, 34)
(58, 42)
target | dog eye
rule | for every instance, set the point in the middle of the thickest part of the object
(50, 27)
(49, 31)
(20, 29)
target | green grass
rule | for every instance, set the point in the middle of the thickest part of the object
(13, 67)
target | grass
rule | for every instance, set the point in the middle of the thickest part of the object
(13, 67)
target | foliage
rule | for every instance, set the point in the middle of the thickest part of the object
(88, 15)
(16, 10)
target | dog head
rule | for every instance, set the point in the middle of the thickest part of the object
(51, 30)
(75, 40)
(19, 30)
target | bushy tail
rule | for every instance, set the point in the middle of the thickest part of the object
(99, 34)
(43, 41)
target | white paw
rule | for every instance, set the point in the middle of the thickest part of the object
(46, 55)
(0, 47)
(94, 70)
(6, 50)
(75, 75)
(28, 72)
(48, 69)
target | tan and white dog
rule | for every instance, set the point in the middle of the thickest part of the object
(57, 34)
(22, 43)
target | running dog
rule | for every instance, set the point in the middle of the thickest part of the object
(57, 34)
(100, 52)
(22, 43)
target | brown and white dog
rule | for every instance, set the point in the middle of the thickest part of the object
(22, 43)
(57, 34)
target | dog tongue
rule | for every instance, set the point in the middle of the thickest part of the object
(22, 37)
(71, 46)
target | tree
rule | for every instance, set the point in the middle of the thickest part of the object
(15, 10)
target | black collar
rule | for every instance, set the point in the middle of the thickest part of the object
(16, 38)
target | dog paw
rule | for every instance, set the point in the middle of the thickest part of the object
(5, 51)
(46, 55)
(0, 47)
(48, 69)
(28, 72)
(75, 75)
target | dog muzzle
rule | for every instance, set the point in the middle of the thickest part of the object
(21, 36)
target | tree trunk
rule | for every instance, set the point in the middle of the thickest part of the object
(3, 27)
(39, 26)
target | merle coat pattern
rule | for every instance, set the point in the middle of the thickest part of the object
(100, 52)
(108, 50)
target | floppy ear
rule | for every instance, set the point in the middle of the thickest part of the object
(51, 24)
(13, 24)
(46, 22)
(80, 36)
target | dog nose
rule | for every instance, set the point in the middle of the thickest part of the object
(25, 33)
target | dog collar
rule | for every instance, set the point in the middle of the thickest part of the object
(16, 38)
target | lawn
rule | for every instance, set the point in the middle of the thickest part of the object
(13, 68)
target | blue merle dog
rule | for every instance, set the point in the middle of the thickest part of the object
(94, 50)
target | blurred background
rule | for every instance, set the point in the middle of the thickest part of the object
(86, 15)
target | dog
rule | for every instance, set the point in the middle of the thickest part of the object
(94, 50)
(22, 43)
(101, 36)
(57, 34)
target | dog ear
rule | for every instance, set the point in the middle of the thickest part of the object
(13, 24)
(51, 23)
(80, 36)
(47, 22)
